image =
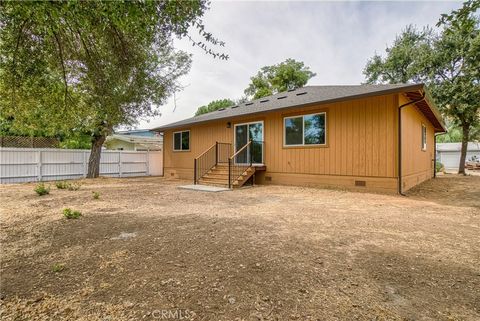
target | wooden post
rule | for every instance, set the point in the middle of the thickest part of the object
(85, 166)
(148, 162)
(39, 166)
(120, 163)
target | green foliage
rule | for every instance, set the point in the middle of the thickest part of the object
(68, 213)
(96, 195)
(454, 135)
(90, 66)
(74, 186)
(214, 105)
(448, 61)
(58, 267)
(41, 189)
(286, 75)
(62, 184)
(439, 166)
(75, 140)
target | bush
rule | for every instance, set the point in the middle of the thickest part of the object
(58, 267)
(68, 213)
(96, 195)
(74, 186)
(62, 184)
(40, 189)
(439, 167)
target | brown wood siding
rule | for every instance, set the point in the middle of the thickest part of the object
(361, 141)
(417, 164)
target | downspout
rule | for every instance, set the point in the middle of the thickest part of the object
(435, 155)
(400, 140)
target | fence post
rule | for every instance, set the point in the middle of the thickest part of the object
(39, 165)
(84, 164)
(120, 163)
(148, 162)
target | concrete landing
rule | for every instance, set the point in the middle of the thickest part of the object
(204, 188)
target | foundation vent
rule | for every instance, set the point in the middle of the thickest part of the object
(268, 178)
(360, 183)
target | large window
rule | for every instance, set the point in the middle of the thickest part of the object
(305, 130)
(181, 141)
(424, 137)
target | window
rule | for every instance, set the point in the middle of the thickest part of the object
(305, 130)
(181, 140)
(424, 137)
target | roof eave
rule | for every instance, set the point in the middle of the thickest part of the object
(435, 110)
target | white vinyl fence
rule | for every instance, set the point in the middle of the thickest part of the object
(33, 164)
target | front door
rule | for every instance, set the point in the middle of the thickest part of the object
(243, 134)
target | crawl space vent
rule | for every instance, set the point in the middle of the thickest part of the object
(360, 183)
(282, 97)
(302, 93)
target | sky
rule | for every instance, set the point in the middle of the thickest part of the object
(335, 39)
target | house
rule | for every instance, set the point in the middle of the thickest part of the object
(374, 137)
(130, 142)
(449, 154)
(137, 132)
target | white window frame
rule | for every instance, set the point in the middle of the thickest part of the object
(424, 143)
(181, 134)
(303, 130)
(235, 136)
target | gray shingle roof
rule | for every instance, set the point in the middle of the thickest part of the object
(299, 97)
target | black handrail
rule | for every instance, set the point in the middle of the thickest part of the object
(218, 153)
(239, 162)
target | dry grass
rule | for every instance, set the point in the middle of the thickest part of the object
(265, 253)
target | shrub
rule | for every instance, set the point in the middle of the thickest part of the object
(40, 189)
(58, 267)
(74, 186)
(439, 167)
(62, 184)
(96, 195)
(68, 213)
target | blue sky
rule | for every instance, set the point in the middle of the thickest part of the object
(334, 38)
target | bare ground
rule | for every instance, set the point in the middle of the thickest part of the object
(147, 250)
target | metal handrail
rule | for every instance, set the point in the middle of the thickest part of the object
(209, 159)
(214, 145)
(241, 149)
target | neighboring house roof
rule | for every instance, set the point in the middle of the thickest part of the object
(456, 147)
(138, 140)
(136, 132)
(306, 96)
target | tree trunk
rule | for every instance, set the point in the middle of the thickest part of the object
(463, 153)
(95, 153)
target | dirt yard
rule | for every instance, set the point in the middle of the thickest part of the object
(146, 250)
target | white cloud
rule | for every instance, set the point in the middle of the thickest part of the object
(334, 38)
